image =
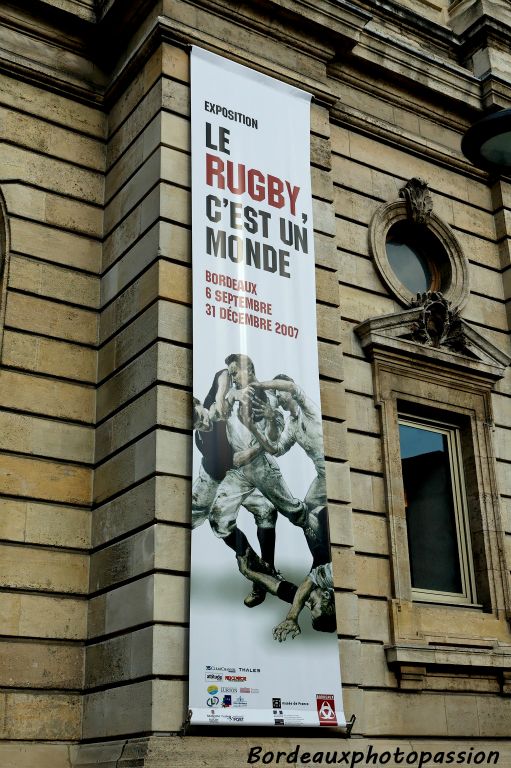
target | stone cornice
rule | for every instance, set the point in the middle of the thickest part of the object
(391, 334)
(337, 33)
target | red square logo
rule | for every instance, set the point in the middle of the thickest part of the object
(325, 704)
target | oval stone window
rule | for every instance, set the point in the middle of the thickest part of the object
(415, 255)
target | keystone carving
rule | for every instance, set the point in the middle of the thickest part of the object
(438, 325)
(419, 203)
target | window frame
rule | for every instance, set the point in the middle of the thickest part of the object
(459, 497)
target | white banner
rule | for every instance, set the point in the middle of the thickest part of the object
(263, 645)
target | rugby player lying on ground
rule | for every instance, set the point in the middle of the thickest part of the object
(313, 592)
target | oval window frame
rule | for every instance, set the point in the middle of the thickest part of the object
(457, 292)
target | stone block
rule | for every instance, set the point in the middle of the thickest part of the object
(502, 443)
(349, 651)
(31, 313)
(176, 204)
(124, 607)
(53, 175)
(462, 716)
(324, 217)
(135, 121)
(373, 576)
(175, 241)
(172, 548)
(340, 524)
(165, 717)
(130, 381)
(132, 227)
(365, 452)
(46, 617)
(129, 342)
(170, 651)
(142, 504)
(368, 492)
(354, 205)
(57, 358)
(44, 437)
(322, 184)
(138, 296)
(486, 311)
(175, 62)
(357, 305)
(126, 559)
(45, 480)
(362, 414)
(344, 565)
(346, 609)
(26, 755)
(320, 152)
(332, 400)
(119, 274)
(30, 664)
(49, 716)
(335, 439)
(501, 410)
(338, 482)
(375, 672)
(118, 711)
(175, 131)
(55, 245)
(171, 598)
(176, 97)
(174, 365)
(109, 662)
(124, 426)
(358, 375)
(45, 396)
(135, 189)
(126, 468)
(371, 534)
(52, 106)
(49, 524)
(493, 714)
(175, 282)
(53, 281)
(330, 360)
(173, 453)
(328, 321)
(70, 214)
(404, 715)
(106, 755)
(359, 272)
(50, 570)
(138, 86)
(134, 156)
(374, 619)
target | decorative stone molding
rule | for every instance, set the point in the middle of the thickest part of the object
(419, 203)
(432, 331)
(413, 662)
(438, 324)
(449, 259)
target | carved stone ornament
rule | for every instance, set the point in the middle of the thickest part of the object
(438, 325)
(419, 203)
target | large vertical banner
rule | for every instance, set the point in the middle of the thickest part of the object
(263, 643)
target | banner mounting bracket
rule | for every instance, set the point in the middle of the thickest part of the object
(349, 725)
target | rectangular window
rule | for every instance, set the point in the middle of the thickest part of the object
(436, 512)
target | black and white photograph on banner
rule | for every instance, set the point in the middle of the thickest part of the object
(263, 641)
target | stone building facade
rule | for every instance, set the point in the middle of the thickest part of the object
(95, 337)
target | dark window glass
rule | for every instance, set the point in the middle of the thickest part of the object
(407, 251)
(430, 515)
